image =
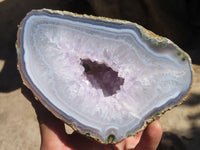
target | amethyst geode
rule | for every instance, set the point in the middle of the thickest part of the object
(105, 78)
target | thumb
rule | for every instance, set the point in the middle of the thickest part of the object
(151, 137)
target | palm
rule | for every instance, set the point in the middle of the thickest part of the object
(58, 139)
(53, 134)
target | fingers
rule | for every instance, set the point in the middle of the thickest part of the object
(151, 137)
(43, 115)
(52, 137)
(130, 142)
(27, 93)
(52, 129)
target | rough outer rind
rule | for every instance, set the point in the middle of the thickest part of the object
(157, 41)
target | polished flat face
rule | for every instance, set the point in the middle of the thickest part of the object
(105, 77)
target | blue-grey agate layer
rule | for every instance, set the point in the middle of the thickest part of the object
(156, 73)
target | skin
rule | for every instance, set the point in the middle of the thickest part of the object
(53, 135)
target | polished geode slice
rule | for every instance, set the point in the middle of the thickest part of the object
(106, 78)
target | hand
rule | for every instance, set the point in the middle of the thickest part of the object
(54, 137)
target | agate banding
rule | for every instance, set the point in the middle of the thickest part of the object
(106, 78)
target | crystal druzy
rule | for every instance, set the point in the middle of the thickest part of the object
(106, 78)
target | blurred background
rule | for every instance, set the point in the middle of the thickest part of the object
(178, 20)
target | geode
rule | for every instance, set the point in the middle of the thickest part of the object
(106, 78)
